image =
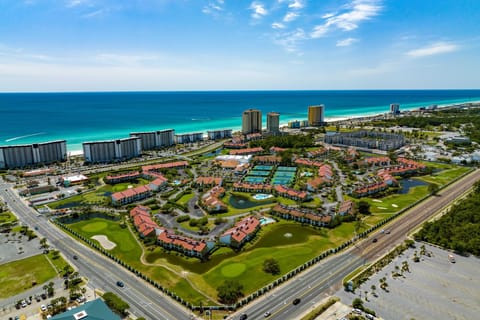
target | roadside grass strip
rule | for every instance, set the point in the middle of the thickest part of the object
(21, 275)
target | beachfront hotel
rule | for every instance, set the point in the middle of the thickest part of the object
(112, 150)
(316, 115)
(219, 134)
(273, 122)
(395, 108)
(155, 139)
(188, 137)
(251, 121)
(20, 156)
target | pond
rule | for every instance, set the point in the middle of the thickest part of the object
(406, 184)
(241, 202)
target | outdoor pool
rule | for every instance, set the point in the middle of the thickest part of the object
(261, 196)
(266, 220)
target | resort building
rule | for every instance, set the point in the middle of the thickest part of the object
(219, 134)
(273, 123)
(131, 195)
(142, 220)
(346, 208)
(251, 121)
(241, 232)
(208, 181)
(395, 108)
(130, 176)
(188, 137)
(302, 215)
(112, 150)
(155, 139)
(20, 156)
(316, 115)
(211, 202)
(367, 140)
(249, 151)
(190, 247)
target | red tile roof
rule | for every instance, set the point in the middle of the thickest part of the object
(167, 236)
(243, 229)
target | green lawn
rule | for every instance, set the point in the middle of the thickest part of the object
(21, 275)
(57, 261)
(128, 250)
(185, 198)
(7, 217)
(446, 175)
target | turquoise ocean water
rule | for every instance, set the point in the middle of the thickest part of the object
(80, 117)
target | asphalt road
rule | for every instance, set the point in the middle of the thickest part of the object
(103, 273)
(326, 277)
(311, 286)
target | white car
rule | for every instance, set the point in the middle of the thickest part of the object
(43, 307)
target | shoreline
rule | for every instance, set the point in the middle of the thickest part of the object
(331, 120)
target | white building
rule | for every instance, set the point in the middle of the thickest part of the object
(33, 154)
(188, 137)
(112, 150)
(219, 134)
(155, 139)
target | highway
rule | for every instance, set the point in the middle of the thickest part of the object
(311, 286)
(103, 273)
(326, 277)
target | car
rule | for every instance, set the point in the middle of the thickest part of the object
(24, 303)
(387, 231)
(43, 307)
(75, 257)
(120, 284)
(374, 240)
(267, 314)
(369, 316)
(243, 316)
(296, 301)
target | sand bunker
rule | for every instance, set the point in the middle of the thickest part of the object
(376, 200)
(394, 205)
(383, 208)
(104, 242)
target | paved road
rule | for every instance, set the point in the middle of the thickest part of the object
(326, 277)
(144, 300)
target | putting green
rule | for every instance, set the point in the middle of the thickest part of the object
(95, 226)
(233, 270)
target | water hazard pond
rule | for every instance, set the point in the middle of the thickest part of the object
(242, 202)
(406, 184)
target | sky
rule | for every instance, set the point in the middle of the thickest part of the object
(175, 45)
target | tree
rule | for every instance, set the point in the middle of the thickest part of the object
(433, 188)
(115, 303)
(271, 265)
(364, 207)
(230, 291)
(357, 303)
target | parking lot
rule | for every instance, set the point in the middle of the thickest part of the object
(435, 288)
(14, 246)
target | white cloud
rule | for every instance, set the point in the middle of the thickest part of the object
(290, 16)
(296, 4)
(278, 25)
(76, 3)
(289, 40)
(346, 42)
(214, 7)
(433, 49)
(95, 13)
(348, 19)
(258, 9)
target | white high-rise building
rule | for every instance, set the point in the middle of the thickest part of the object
(273, 122)
(251, 121)
(19, 156)
(112, 150)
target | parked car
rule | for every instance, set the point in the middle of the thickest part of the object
(75, 257)
(43, 307)
(267, 314)
(374, 240)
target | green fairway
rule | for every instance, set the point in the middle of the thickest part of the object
(21, 275)
(233, 270)
(128, 249)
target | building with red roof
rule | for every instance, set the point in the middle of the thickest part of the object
(241, 232)
(188, 246)
(130, 176)
(246, 151)
(301, 215)
(143, 222)
(130, 195)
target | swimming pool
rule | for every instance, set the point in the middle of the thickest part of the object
(261, 196)
(266, 220)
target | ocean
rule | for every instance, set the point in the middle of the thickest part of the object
(91, 116)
